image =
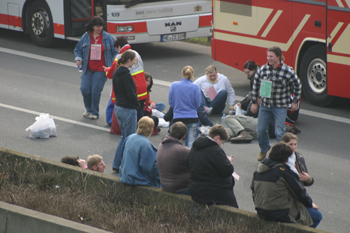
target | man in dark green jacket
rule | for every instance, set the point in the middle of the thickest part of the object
(278, 193)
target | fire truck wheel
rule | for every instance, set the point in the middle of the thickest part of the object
(40, 24)
(313, 75)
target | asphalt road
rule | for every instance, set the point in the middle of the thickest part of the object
(35, 80)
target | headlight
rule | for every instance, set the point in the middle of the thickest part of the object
(128, 28)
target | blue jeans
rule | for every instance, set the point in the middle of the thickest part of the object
(218, 104)
(91, 86)
(160, 106)
(265, 114)
(192, 134)
(109, 111)
(315, 215)
(127, 119)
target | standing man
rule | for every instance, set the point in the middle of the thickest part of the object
(274, 82)
(215, 89)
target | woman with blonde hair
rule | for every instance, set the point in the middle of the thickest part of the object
(185, 99)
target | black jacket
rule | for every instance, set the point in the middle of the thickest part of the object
(211, 180)
(124, 89)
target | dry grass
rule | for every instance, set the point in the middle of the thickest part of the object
(28, 184)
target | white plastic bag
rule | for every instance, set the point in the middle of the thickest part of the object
(43, 127)
(157, 113)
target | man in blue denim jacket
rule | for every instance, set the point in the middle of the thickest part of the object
(138, 166)
(94, 51)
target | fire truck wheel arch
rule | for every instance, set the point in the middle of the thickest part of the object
(313, 74)
(40, 24)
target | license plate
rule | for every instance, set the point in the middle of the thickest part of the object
(172, 37)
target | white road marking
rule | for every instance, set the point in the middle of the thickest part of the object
(155, 81)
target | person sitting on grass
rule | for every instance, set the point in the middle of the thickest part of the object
(278, 193)
(172, 161)
(95, 163)
(138, 163)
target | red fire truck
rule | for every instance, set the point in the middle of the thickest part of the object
(313, 34)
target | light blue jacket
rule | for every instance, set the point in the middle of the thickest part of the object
(184, 98)
(138, 166)
(82, 49)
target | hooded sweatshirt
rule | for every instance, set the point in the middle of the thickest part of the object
(279, 195)
(124, 89)
(172, 161)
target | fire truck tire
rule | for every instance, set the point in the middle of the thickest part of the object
(40, 24)
(313, 75)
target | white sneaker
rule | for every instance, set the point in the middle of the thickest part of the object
(208, 110)
(86, 114)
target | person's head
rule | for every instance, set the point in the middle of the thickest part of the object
(96, 25)
(95, 163)
(127, 59)
(149, 81)
(119, 42)
(212, 73)
(274, 56)
(249, 67)
(291, 140)
(280, 152)
(187, 72)
(178, 130)
(145, 126)
(70, 160)
(219, 134)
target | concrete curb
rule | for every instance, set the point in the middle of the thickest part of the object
(141, 194)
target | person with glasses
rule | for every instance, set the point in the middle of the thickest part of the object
(211, 180)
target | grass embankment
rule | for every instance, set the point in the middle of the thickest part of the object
(76, 197)
(200, 40)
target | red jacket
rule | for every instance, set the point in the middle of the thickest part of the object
(136, 71)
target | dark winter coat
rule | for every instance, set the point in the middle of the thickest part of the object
(279, 195)
(211, 180)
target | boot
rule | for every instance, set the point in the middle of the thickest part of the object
(243, 137)
(262, 155)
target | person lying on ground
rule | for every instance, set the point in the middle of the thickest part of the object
(95, 163)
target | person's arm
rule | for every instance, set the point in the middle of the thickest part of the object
(230, 93)
(168, 116)
(297, 187)
(170, 95)
(198, 97)
(78, 51)
(131, 90)
(148, 162)
(297, 90)
(255, 92)
(110, 70)
(221, 163)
